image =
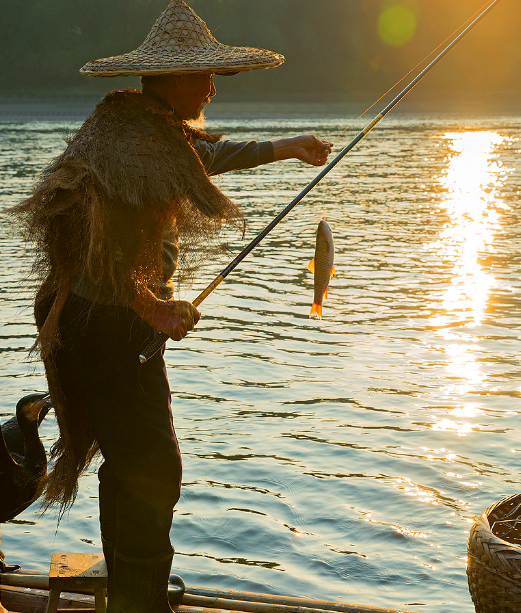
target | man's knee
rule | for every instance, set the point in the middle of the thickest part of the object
(154, 481)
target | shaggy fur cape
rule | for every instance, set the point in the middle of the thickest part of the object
(127, 178)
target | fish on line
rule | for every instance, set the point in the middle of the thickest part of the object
(322, 267)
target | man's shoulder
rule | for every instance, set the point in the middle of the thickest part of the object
(128, 114)
(131, 103)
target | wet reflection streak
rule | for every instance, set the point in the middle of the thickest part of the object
(473, 203)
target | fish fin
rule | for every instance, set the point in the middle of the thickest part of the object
(311, 266)
(333, 271)
(325, 295)
(316, 311)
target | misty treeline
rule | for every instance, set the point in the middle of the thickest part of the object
(331, 46)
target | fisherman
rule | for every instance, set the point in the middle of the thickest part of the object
(128, 204)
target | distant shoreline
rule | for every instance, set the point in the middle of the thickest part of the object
(77, 108)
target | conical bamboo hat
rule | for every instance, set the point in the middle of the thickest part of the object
(179, 42)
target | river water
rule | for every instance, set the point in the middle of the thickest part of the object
(345, 458)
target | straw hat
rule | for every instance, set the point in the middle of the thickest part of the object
(179, 42)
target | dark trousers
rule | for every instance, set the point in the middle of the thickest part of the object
(128, 405)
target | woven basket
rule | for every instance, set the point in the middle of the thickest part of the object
(494, 562)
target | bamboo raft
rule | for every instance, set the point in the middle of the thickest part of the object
(27, 591)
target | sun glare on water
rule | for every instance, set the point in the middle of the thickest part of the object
(473, 205)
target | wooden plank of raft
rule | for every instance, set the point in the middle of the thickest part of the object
(28, 600)
(288, 604)
(35, 601)
(36, 580)
(226, 599)
(307, 606)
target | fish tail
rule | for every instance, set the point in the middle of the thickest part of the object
(316, 310)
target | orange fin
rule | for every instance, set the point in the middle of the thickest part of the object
(311, 266)
(325, 295)
(332, 272)
(316, 310)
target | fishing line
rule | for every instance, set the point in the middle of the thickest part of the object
(161, 338)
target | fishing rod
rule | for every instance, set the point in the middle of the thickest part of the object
(161, 339)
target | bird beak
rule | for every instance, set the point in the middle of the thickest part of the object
(37, 406)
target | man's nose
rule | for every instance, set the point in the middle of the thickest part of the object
(213, 91)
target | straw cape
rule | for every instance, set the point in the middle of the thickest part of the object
(180, 43)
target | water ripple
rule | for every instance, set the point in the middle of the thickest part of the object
(342, 459)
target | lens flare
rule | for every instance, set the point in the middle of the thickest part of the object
(397, 25)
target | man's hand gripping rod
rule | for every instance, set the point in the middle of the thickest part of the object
(161, 339)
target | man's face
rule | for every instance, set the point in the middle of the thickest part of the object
(189, 94)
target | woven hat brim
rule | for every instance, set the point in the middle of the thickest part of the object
(219, 59)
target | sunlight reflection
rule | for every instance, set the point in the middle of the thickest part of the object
(448, 424)
(409, 488)
(473, 204)
(396, 528)
(466, 411)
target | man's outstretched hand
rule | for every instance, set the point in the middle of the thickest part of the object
(307, 148)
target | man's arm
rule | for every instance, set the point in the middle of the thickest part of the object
(224, 156)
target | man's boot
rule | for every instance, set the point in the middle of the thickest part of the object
(141, 585)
